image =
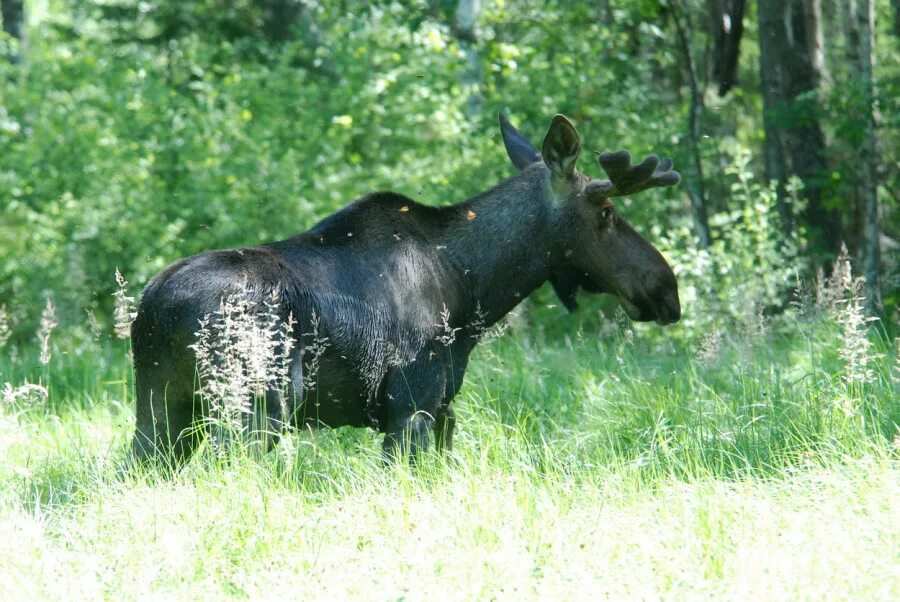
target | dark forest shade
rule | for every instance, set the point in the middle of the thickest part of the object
(13, 14)
(791, 63)
(728, 28)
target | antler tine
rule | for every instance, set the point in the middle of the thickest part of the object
(625, 178)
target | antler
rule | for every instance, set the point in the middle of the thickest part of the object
(625, 178)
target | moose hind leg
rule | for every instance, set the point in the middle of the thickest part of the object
(271, 417)
(163, 430)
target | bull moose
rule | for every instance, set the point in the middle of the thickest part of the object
(402, 290)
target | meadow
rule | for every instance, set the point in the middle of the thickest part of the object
(594, 459)
(749, 452)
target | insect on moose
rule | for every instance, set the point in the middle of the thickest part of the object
(402, 291)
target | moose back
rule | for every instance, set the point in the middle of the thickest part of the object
(387, 297)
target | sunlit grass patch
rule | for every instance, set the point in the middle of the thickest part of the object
(478, 526)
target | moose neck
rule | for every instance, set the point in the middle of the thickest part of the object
(503, 241)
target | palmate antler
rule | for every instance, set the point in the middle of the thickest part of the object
(625, 178)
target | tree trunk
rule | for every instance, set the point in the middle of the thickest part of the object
(896, 6)
(791, 69)
(728, 25)
(285, 19)
(464, 27)
(695, 185)
(770, 31)
(604, 10)
(860, 55)
(13, 14)
(279, 17)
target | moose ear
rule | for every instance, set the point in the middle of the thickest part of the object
(520, 150)
(561, 147)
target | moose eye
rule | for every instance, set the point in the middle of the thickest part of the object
(606, 214)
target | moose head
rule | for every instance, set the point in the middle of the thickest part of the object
(603, 252)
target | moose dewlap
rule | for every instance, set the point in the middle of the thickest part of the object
(374, 311)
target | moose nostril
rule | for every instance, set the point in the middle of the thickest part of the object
(667, 307)
(672, 307)
(674, 314)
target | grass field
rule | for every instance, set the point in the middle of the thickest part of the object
(589, 464)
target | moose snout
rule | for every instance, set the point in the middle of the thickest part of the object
(668, 308)
(665, 297)
(661, 306)
(660, 299)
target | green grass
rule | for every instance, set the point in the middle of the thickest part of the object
(585, 466)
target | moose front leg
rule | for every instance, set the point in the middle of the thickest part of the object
(445, 421)
(412, 399)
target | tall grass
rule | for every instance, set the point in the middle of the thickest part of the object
(622, 461)
(815, 384)
(531, 504)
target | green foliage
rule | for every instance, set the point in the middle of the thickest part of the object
(752, 266)
(136, 133)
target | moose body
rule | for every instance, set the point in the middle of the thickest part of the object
(400, 292)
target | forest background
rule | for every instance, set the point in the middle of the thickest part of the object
(748, 452)
(135, 133)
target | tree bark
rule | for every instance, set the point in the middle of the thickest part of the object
(466, 31)
(279, 17)
(791, 69)
(728, 25)
(896, 6)
(283, 19)
(770, 32)
(860, 55)
(695, 185)
(13, 14)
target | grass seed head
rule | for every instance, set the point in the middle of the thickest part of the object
(5, 329)
(47, 325)
(831, 291)
(447, 334)
(242, 352)
(93, 324)
(29, 393)
(710, 348)
(124, 312)
(856, 350)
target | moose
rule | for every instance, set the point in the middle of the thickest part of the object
(402, 292)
